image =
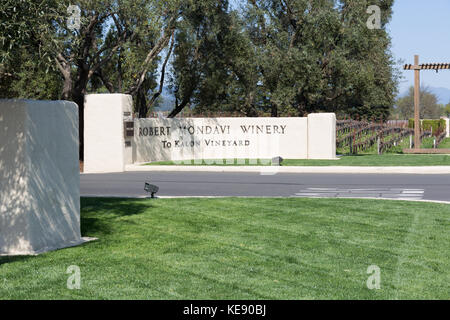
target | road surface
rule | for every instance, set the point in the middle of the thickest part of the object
(389, 186)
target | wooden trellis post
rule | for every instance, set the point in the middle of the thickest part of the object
(417, 67)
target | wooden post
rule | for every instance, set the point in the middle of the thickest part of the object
(378, 145)
(416, 67)
(416, 102)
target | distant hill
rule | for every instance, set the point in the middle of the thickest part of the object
(442, 94)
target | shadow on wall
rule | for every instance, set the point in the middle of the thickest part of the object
(142, 153)
(148, 147)
(14, 229)
(39, 179)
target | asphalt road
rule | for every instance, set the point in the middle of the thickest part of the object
(393, 186)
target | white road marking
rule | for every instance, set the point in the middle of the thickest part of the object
(378, 193)
(412, 192)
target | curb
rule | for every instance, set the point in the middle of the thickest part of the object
(258, 197)
(293, 169)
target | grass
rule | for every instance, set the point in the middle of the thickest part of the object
(427, 143)
(357, 160)
(445, 144)
(235, 248)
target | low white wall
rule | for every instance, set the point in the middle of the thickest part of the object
(156, 139)
(104, 141)
(39, 176)
(322, 136)
(217, 138)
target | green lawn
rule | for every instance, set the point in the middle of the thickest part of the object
(245, 249)
(363, 160)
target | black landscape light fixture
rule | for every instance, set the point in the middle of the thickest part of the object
(151, 188)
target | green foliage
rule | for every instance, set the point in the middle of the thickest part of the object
(30, 80)
(438, 125)
(287, 58)
(26, 69)
(445, 144)
(112, 32)
(429, 108)
(25, 24)
(207, 42)
(269, 57)
(446, 110)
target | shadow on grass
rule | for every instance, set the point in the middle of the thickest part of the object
(98, 214)
(11, 259)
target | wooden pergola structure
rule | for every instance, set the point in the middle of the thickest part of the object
(417, 68)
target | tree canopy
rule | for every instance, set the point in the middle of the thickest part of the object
(429, 107)
(264, 57)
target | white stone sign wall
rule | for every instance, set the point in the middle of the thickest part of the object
(105, 147)
(108, 149)
(39, 176)
(322, 136)
(219, 138)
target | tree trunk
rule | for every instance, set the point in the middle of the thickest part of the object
(64, 68)
(186, 99)
(178, 108)
(274, 110)
(78, 98)
(141, 103)
(67, 88)
(78, 94)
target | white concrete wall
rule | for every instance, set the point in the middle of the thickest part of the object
(158, 139)
(39, 176)
(447, 122)
(104, 142)
(218, 138)
(322, 136)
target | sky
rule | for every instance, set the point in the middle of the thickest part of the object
(422, 27)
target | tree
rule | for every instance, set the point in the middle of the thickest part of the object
(319, 56)
(141, 29)
(429, 108)
(287, 57)
(35, 34)
(24, 25)
(25, 68)
(200, 72)
(446, 110)
(27, 78)
(277, 57)
(127, 71)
